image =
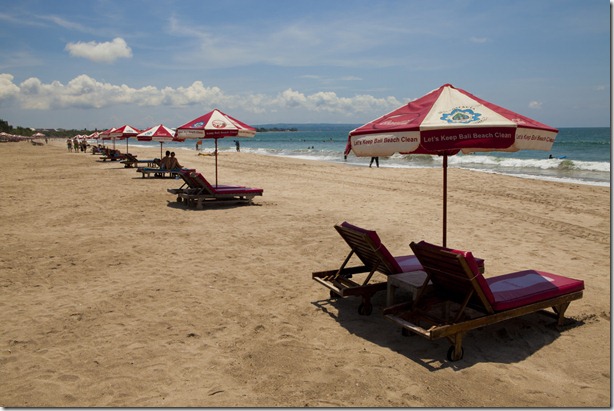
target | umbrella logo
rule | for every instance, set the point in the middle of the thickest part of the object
(198, 125)
(218, 124)
(458, 116)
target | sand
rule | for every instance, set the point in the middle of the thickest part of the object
(114, 295)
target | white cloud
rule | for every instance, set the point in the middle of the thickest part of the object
(8, 90)
(327, 101)
(85, 92)
(106, 52)
(537, 105)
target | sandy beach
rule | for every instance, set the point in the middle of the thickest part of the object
(114, 295)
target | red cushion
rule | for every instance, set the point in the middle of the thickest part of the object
(525, 287)
(237, 190)
(473, 265)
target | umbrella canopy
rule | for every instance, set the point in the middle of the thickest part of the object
(445, 121)
(214, 124)
(159, 133)
(106, 135)
(124, 132)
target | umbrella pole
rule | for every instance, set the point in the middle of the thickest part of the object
(126, 145)
(161, 143)
(216, 162)
(445, 198)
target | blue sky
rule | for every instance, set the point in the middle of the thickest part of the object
(104, 63)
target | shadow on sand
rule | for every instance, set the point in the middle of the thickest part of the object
(211, 205)
(505, 343)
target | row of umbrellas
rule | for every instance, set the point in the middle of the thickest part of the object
(443, 122)
(213, 125)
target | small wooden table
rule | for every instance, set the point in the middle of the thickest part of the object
(411, 281)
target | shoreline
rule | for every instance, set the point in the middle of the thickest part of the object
(116, 296)
(363, 162)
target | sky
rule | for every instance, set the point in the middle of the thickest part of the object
(97, 64)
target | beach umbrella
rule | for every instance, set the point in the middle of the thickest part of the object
(124, 132)
(159, 133)
(444, 122)
(106, 135)
(215, 125)
(94, 136)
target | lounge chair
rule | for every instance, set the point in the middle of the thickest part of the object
(374, 255)
(463, 299)
(189, 184)
(208, 193)
(132, 161)
(159, 173)
(113, 155)
(192, 185)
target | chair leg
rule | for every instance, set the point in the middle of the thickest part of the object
(456, 351)
(559, 310)
(365, 308)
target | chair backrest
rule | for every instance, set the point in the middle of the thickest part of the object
(202, 182)
(454, 274)
(188, 178)
(368, 247)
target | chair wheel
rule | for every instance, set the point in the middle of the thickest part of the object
(365, 309)
(333, 295)
(451, 354)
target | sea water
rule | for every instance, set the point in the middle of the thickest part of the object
(579, 155)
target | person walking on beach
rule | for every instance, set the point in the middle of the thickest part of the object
(376, 161)
(237, 145)
(69, 144)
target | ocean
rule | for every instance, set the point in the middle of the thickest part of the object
(580, 155)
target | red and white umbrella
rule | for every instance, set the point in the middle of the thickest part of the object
(159, 133)
(106, 135)
(445, 121)
(124, 132)
(215, 125)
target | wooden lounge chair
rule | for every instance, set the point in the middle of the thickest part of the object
(374, 255)
(193, 185)
(159, 172)
(189, 184)
(209, 193)
(113, 155)
(132, 161)
(464, 299)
